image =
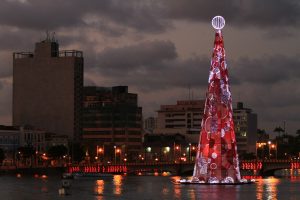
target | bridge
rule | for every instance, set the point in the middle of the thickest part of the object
(268, 167)
(259, 167)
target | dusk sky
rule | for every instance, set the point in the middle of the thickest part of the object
(160, 48)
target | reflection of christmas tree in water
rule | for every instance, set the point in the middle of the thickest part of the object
(217, 159)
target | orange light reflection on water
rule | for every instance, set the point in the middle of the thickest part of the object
(118, 184)
(99, 189)
(267, 188)
(177, 187)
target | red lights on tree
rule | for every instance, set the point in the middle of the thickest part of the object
(217, 159)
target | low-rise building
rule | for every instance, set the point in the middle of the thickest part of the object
(9, 142)
(183, 118)
(53, 139)
(29, 136)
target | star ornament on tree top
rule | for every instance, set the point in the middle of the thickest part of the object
(218, 22)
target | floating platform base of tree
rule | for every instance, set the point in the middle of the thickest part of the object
(189, 182)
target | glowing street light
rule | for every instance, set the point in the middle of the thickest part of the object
(117, 151)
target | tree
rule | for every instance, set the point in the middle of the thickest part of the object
(25, 154)
(298, 133)
(57, 151)
(278, 130)
(2, 155)
(77, 152)
(262, 135)
(26, 151)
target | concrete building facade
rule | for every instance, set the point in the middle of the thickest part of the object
(245, 125)
(185, 118)
(47, 89)
(182, 118)
(112, 122)
(9, 142)
(149, 124)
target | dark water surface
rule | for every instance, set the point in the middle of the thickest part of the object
(144, 187)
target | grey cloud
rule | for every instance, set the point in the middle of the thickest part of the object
(5, 98)
(53, 14)
(151, 65)
(267, 69)
(14, 39)
(238, 12)
(115, 17)
(139, 56)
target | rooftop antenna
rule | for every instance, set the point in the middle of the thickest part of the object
(47, 36)
(189, 92)
(53, 37)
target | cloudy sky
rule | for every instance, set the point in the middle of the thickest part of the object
(160, 48)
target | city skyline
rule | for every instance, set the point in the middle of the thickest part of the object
(161, 49)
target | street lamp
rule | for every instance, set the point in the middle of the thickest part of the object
(258, 146)
(115, 155)
(117, 151)
(269, 143)
(274, 147)
(147, 153)
(166, 151)
(190, 150)
(177, 148)
(99, 151)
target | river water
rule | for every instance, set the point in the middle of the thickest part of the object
(144, 187)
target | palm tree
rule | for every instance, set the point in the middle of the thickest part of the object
(298, 133)
(278, 130)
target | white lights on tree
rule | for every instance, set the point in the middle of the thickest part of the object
(218, 22)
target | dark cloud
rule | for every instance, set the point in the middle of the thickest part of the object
(152, 65)
(115, 17)
(140, 57)
(238, 12)
(156, 63)
(266, 70)
(5, 98)
(52, 14)
(14, 39)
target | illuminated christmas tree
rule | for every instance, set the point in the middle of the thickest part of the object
(217, 158)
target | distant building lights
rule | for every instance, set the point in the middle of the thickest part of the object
(168, 149)
(148, 149)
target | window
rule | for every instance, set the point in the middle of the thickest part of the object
(120, 139)
(134, 139)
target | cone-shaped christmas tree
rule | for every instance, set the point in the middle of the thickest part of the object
(217, 159)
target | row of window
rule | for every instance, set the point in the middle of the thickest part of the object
(33, 137)
(109, 125)
(119, 140)
(9, 140)
(121, 132)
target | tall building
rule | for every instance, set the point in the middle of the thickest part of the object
(149, 124)
(183, 118)
(47, 89)
(245, 122)
(112, 123)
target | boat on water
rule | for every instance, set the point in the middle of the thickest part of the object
(67, 176)
(90, 175)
